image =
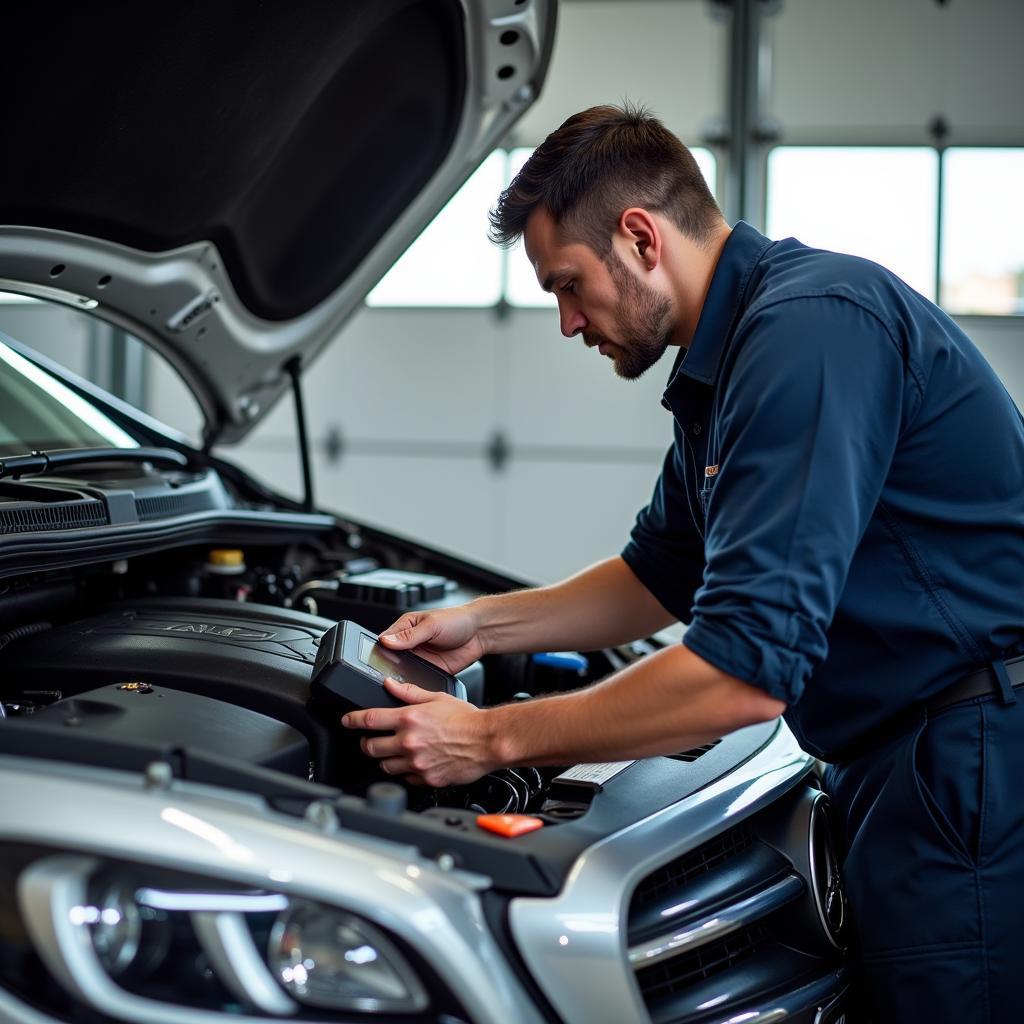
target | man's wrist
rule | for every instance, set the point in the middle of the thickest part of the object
(500, 736)
(482, 609)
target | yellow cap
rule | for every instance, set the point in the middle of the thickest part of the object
(228, 558)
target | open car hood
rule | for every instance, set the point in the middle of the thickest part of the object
(227, 181)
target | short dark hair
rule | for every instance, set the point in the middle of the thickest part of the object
(600, 162)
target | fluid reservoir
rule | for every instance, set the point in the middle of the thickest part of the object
(225, 562)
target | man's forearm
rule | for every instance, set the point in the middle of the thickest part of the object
(667, 702)
(602, 606)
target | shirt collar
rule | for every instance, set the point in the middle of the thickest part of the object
(742, 252)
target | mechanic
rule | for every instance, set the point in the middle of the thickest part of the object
(840, 521)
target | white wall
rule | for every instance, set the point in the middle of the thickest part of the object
(416, 395)
(667, 54)
(881, 70)
(1002, 342)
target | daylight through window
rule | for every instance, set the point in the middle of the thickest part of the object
(454, 264)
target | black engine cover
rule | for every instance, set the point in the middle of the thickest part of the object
(253, 656)
(143, 713)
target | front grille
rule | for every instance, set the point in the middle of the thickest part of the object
(683, 972)
(726, 930)
(657, 885)
(63, 516)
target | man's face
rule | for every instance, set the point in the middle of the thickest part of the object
(614, 310)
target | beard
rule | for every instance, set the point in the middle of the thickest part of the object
(643, 323)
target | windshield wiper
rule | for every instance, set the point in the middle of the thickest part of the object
(39, 463)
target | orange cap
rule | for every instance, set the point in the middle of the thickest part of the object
(509, 825)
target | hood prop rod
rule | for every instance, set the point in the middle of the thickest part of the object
(293, 369)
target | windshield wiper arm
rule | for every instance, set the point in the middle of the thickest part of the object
(38, 463)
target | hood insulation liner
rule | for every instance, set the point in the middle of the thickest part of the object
(291, 135)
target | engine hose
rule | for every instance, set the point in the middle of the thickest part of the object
(303, 588)
(21, 631)
(16, 634)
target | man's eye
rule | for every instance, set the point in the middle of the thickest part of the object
(570, 287)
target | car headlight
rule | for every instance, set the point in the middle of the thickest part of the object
(115, 922)
(144, 944)
(330, 959)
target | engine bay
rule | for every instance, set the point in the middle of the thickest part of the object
(131, 652)
(214, 650)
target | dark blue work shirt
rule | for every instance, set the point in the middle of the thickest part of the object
(840, 519)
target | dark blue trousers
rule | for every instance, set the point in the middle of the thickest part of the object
(934, 868)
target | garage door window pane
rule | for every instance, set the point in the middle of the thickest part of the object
(522, 288)
(452, 263)
(983, 231)
(879, 203)
(708, 167)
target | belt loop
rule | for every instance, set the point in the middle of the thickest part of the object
(1006, 694)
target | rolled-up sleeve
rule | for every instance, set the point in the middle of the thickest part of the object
(665, 551)
(807, 426)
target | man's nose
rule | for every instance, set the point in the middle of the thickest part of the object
(572, 321)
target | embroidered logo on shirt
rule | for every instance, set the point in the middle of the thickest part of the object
(711, 470)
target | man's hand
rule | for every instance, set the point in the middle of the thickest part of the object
(438, 740)
(449, 637)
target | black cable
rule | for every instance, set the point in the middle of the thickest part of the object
(533, 783)
(16, 634)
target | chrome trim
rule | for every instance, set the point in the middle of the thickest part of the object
(227, 941)
(822, 889)
(714, 926)
(824, 1014)
(574, 944)
(243, 841)
(821, 994)
(211, 902)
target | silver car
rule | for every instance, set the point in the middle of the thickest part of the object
(185, 833)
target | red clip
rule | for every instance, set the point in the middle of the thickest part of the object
(509, 825)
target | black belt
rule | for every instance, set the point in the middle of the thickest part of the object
(999, 679)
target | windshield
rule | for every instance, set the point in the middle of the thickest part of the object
(39, 413)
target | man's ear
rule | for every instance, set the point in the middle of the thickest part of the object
(640, 232)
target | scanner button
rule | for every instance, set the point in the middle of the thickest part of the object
(509, 825)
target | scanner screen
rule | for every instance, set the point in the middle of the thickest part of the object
(400, 666)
